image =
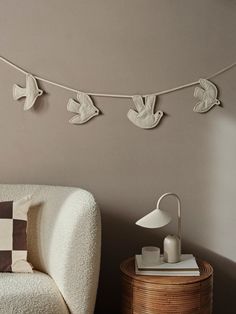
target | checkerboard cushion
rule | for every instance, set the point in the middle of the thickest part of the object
(13, 236)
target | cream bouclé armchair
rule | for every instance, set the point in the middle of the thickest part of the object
(64, 239)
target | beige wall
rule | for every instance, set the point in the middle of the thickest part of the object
(128, 47)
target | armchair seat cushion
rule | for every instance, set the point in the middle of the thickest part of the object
(30, 294)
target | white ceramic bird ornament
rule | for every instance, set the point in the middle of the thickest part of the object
(31, 92)
(144, 117)
(207, 96)
(85, 109)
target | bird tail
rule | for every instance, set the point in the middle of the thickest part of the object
(18, 92)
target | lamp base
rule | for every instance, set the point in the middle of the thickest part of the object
(172, 249)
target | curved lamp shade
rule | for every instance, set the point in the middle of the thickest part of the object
(155, 219)
(159, 218)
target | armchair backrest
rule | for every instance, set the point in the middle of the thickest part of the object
(64, 239)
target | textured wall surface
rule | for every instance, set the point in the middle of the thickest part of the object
(128, 47)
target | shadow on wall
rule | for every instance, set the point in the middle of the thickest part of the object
(126, 239)
(224, 301)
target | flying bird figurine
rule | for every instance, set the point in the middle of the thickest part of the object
(144, 117)
(31, 92)
(85, 108)
(207, 96)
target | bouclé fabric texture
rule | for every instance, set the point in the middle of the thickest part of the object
(64, 238)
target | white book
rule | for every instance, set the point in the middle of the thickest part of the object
(186, 267)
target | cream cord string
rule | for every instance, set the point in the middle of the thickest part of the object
(116, 95)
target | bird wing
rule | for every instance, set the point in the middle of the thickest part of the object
(32, 91)
(150, 101)
(73, 106)
(210, 88)
(138, 102)
(31, 84)
(87, 104)
(84, 98)
(199, 93)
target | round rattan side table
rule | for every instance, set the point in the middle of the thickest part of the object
(165, 295)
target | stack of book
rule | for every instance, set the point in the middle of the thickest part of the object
(186, 267)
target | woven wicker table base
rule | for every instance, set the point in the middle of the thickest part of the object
(166, 295)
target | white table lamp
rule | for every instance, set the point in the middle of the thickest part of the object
(159, 218)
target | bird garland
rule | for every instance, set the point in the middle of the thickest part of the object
(207, 96)
(31, 92)
(84, 109)
(144, 116)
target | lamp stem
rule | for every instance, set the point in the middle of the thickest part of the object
(179, 211)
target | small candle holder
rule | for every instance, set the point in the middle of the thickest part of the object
(151, 256)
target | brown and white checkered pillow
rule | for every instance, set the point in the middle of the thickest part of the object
(13, 236)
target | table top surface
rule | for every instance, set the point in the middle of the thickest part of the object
(127, 268)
